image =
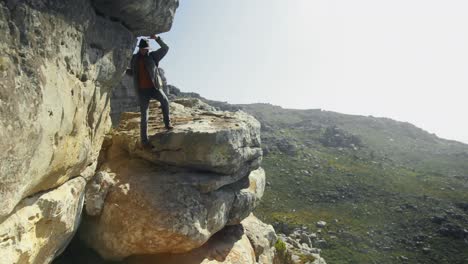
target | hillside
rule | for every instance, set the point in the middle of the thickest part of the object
(389, 190)
(399, 142)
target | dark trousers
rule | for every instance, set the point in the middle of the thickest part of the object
(144, 97)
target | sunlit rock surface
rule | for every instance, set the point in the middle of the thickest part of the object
(42, 225)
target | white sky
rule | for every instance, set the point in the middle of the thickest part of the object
(403, 59)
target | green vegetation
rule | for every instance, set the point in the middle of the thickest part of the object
(282, 255)
(307, 258)
(378, 183)
(280, 246)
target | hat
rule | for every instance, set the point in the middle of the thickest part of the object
(143, 44)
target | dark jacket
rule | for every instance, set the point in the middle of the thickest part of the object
(151, 60)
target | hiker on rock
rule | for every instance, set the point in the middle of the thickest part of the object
(148, 84)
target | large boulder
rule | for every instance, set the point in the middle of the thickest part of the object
(42, 225)
(143, 18)
(154, 210)
(206, 140)
(251, 242)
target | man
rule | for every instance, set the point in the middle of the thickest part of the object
(147, 82)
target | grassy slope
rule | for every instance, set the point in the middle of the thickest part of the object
(378, 199)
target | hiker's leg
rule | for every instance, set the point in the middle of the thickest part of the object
(162, 98)
(144, 103)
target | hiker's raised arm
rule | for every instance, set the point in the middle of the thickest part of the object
(161, 52)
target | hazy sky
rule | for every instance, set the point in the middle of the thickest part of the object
(403, 59)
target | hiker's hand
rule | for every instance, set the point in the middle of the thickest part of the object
(153, 36)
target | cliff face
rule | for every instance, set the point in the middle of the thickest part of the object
(58, 63)
(58, 66)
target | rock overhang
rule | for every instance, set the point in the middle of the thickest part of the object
(143, 18)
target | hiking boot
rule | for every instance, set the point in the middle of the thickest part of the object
(169, 127)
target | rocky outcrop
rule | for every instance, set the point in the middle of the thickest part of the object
(42, 225)
(143, 18)
(58, 63)
(203, 176)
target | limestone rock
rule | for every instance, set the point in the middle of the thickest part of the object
(42, 225)
(143, 18)
(154, 209)
(262, 237)
(216, 141)
(229, 246)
